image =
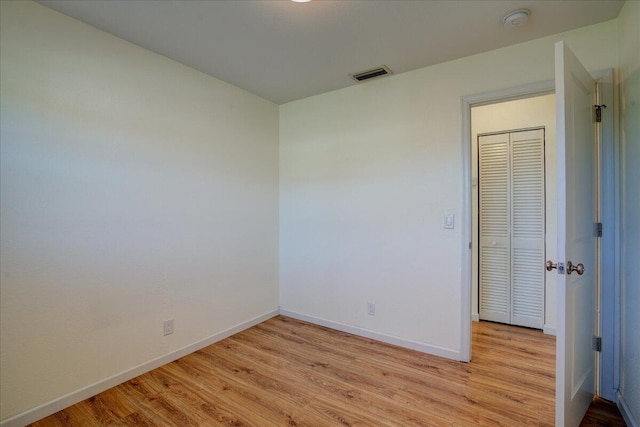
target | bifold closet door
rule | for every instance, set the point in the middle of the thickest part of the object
(527, 228)
(495, 245)
(511, 194)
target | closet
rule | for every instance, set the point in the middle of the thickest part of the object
(512, 227)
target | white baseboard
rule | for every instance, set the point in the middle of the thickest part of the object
(475, 317)
(625, 411)
(74, 397)
(549, 330)
(389, 339)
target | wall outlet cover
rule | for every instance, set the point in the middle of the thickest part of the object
(371, 308)
(168, 327)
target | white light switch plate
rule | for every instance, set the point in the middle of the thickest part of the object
(449, 221)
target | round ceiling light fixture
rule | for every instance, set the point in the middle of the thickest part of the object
(517, 18)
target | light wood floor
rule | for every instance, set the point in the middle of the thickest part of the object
(284, 372)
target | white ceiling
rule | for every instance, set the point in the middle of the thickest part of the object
(284, 51)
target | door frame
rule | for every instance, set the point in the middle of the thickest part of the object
(609, 259)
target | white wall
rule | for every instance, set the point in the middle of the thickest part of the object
(520, 114)
(629, 76)
(134, 190)
(366, 176)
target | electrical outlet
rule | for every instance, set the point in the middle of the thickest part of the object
(168, 327)
(371, 308)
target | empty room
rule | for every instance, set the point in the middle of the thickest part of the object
(319, 213)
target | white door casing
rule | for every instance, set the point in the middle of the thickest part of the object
(577, 214)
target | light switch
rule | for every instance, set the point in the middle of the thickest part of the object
(449, 221)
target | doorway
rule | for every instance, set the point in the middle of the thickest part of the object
(525, 295)
(609, 290)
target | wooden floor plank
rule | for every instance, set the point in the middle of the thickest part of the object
(286, 372)
(600, 414)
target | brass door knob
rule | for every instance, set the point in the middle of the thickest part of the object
(577, 268)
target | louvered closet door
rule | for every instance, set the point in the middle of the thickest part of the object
(511, 193)
(495, 262)
(527, 237)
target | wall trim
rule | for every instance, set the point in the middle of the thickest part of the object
(549, 330)
(625, 411)
(74, 397)
(475, 317)
(367, 333)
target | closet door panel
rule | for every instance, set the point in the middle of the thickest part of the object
(527, 221)
(494, 277)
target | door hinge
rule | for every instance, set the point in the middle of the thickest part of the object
(597, 343)
(598, 110)
(599, 229)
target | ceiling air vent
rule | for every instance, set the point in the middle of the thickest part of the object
(371, 74)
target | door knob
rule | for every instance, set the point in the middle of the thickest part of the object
(577, 268)
(551, 265)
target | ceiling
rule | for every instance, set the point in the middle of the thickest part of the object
(283, 51)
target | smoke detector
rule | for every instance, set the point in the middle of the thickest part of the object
(517, 18)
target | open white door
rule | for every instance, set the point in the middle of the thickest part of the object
(577, 216)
